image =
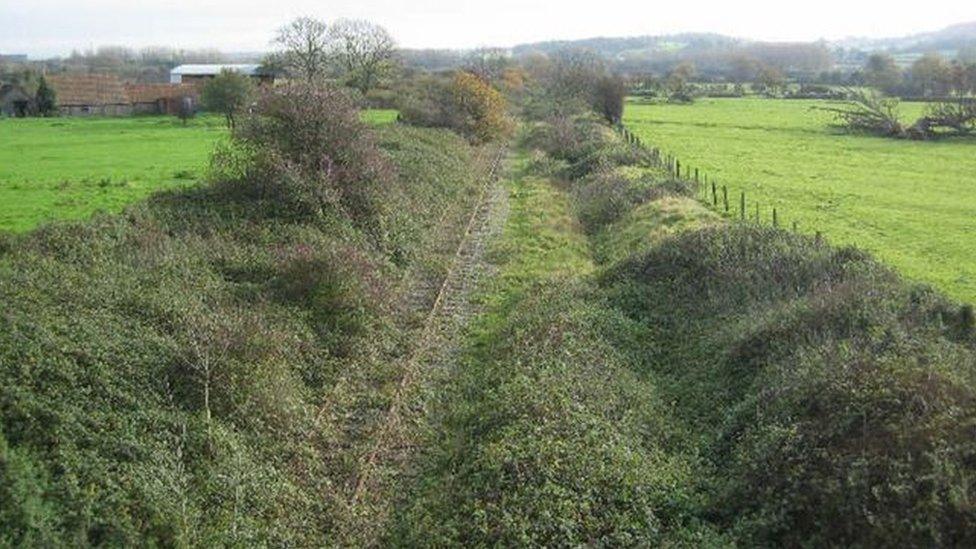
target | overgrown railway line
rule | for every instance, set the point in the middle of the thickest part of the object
(433, 349)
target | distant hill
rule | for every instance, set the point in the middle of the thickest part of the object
(622, 47)
(949, 39)
(717, 54)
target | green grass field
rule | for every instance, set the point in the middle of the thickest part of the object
(913, 204)
(68, 168)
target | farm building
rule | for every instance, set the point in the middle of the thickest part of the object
(197, 74)
(14, 101)
(91, 94)
(160, 98)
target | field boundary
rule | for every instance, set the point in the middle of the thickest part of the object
(708, 191)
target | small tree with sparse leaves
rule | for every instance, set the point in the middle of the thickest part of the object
(228, 93)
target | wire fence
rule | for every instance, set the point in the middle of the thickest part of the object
(708, 191)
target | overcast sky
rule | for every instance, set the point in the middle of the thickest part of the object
(52, 27)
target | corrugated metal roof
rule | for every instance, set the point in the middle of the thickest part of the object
(213, 70)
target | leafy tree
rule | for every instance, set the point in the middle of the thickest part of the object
(303, 49)
(882, 73)
(482, 108)
(770, 80)
(227, 94)
(464, 103)
(46, 99)
(931, 75)
(364, 52)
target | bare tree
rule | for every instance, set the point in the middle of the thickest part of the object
(363, 52)
(677, 82)
(869, 112)
(489, 64)
(303, 49)
(186, 109)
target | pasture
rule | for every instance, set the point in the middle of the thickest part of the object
(912, 204)
(68, 168)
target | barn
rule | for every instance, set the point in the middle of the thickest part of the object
(91, 95)
(198, 74)
(160, 98)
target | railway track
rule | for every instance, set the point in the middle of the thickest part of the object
(434, 348)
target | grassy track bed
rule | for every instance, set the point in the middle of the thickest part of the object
(910, 203)
(545, 434)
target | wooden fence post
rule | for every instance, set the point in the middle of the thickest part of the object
(775, 219)
(742, 206)
(725, 198)
(714, 195)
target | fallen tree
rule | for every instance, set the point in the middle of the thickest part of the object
(956, 117)
(872, 113)
(869, 112)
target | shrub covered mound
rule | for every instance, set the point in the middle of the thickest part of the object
(204, 368)
(836, 400)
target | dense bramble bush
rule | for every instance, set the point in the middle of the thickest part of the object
(313, 149)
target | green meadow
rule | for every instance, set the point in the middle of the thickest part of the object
(913, 204)
(69, 168)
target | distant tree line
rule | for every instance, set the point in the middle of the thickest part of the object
(930, 76)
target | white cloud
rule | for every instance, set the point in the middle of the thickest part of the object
(44, 27)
